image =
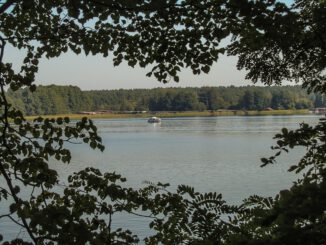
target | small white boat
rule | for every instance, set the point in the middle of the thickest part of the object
(154, 120)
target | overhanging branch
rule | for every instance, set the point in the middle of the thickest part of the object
(6, 5)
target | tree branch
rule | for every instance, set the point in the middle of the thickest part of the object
(6, 5)
(4, 137)
(7, 192)
(12, 219)
(147, 7)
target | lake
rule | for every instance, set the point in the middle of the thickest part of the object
(220, 154)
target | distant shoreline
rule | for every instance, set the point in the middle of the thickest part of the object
(180, 114)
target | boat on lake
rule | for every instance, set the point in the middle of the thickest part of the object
(154, 120)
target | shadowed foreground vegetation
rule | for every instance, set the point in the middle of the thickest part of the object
(272, 41)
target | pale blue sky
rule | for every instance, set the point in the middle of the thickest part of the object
(95, 72)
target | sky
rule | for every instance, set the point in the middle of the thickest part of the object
(96, 72)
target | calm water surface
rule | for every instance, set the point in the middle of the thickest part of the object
(219, 154)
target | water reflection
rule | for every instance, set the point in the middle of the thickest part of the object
(212, 154)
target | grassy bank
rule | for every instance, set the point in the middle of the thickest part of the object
(232, 113)
(182, 114)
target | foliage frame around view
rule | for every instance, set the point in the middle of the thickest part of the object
(274, 43)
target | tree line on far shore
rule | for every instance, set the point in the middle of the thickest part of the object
(56, 99)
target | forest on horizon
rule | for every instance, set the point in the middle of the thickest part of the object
(55, 99)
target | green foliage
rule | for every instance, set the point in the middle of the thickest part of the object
(47, 100)
(68, 99)
(297, 214)
(274, 42)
